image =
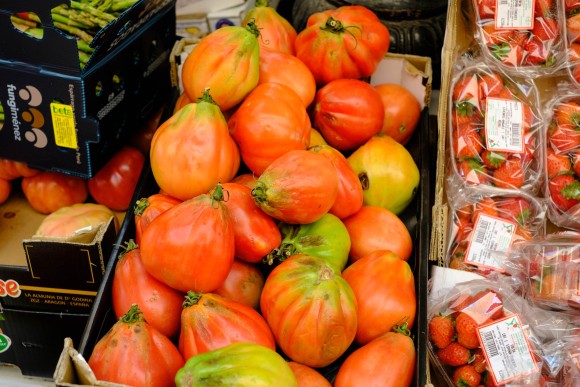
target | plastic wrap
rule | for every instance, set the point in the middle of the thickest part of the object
(572, 33)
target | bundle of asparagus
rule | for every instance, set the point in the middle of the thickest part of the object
(82, 19)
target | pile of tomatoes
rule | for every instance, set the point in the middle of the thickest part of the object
(273, 248)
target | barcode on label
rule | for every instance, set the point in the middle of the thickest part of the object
(503, 2)
(482, 227)
(489, 344)
(516, 134)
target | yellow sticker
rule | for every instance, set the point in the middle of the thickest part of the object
(63, 122)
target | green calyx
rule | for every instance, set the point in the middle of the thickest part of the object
(500, 50)
(262, 3)
(140, 206)
(495, 158)
(259, 193)
(206, 97)
(252, 27)
(128, 246)
(572, 191)
(217, 195)
(134, 315)
(464, 108)
(523, 216)
(191, 298)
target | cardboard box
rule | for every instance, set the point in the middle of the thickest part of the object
(73, 121)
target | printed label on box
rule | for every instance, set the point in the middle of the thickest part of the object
(506, 349)
(503, 125)
(5, 342)
(63, 122)
(491, 238)
(514, 14)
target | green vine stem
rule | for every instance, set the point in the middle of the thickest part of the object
(134, 315)
(192, 298)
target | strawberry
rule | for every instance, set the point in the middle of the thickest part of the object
(441, 331)
(573, 27)
(493, 159)
(545, 8)
(492, 36)
(516, 208)
(545, 30)
(466, 328)
(557, 163)
(568, 113)
(509, 175)
(467, 143)
(466, 376)
(484, 306)
(488, 379)
(457, 259)
(576, 162)
(464, 228)
(464, 212)
(473, 172)
(490, 85)
(454, 355)
(478, 360)
(510, 54)
(563, 138)
(486, 206)
(564, 191)
(466, 89)
(486, 8)
(538, 52)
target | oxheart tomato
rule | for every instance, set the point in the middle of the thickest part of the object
(247, 179)
(76, 219)
(276, 33)
(348, 112)
(346, 42)
(310, 309)
(387, 361)
(384, 287)
(238, 364)
(132, 284)
(256, 233)
(11, 169)
(402, 111)
(134, 353)
(47, 192)
(149, 208)
(114, 184)
(243, 284)
(298, 187)
(307, 376)
(210, 321)
(5, 190)
(191, 245)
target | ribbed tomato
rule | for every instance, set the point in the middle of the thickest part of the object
(298, 187)
(192, 151)
(5, 190)
(271, 121)
(350, 195)
(247, 179)
(346, 42)
(256, 233)
(311, 310)
(182, 100)
(11, 169)
(402, 111)
(132, 284)
(149, 208)
(276, 33)
(47, 192)
(191, 245)
(243, 284)
(79, 218)
(210, 321)
(384, 287)
(134, 353)
(307, 376)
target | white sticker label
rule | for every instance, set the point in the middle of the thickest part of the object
(503, 125)
(514, 14)
(492, 238)
(506, 349)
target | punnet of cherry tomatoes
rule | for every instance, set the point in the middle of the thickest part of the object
(504, 302)
(275, 236)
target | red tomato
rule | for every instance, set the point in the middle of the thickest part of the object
(114, 184)
(244, 284)
(402, 111)
(387, 361)
(49, 191)
(350, 194)
(132, 284)
(307, 376)
(347, 42)
(210, 321)
(10, 169)
(141, 138)
(5, 189)
(191, 245)
(311, 310)
(348, 112)
(147, 209)
(256, 233)
(265, 130)
(247, 179)
(134, 353)
(276, 33)
(384, 287)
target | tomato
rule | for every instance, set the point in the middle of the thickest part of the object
(182, 100)
(326, 238)
(47, 192)
(11, 169)
(298, 187)
(276, 33)
(388, 174)
(192, 151)
(375, 228)
(79, 218)
(316, 138)
(350, 195)
(227, 62)
(191, 245)
(141, 138)
(271, 121)
(210, 321)
(278, 67)
(384, 287)
(115, 182)
(246, 179)
(5, 190)
(402, 111)
(346, 42)
(310, 309)
(243, 284)
(388, 361)
(149, 208)
(134, 353)
(348, 112)
(307, 376)
(238, 364)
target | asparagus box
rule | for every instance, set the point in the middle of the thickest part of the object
(73, 123)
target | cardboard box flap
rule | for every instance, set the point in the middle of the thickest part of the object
(87, 235)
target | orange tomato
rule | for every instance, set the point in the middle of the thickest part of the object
(402, 111)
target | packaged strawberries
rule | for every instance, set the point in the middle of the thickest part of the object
(486, 223)
(494, 130)
(572, 16)
(521, 36)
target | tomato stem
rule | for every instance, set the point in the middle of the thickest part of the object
(262, 3)
(259, 192)
(206, 97)
(401, 328)
(280, 254)
(140, 206)
(253, 27)
(134, 315)
(192, 298)
(336, 27)
(128, 246)
(217, 195)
